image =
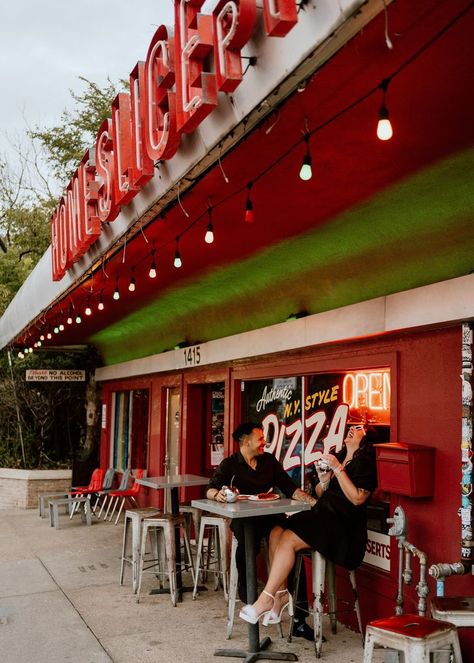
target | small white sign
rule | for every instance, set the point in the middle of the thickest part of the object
(54, 375)
(377, 551)
(104, 416)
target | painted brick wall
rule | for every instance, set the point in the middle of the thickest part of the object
(19, 489)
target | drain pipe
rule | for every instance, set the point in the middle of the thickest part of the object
(443, 570)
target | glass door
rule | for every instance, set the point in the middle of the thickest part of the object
(172, 431)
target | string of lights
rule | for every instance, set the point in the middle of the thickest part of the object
(384, 132)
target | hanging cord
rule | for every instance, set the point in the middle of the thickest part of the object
(144, 236)
(103, 268)
(179, 202)
(124, 250)
(388, 41)
(226, 179)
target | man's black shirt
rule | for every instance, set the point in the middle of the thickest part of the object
(268, 474)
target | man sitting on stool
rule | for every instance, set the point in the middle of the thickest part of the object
(253, 471)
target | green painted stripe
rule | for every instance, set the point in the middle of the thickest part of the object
(417, 232)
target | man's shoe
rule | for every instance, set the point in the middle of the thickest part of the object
(302, 630)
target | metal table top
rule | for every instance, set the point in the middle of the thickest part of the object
(247, 508)
(173, 481)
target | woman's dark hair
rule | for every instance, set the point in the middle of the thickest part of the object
(366, 443)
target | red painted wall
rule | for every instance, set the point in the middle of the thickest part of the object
(426, 410)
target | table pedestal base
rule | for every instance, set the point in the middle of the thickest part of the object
(259, 655)
(180, 590)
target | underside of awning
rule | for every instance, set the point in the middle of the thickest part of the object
(376, 218)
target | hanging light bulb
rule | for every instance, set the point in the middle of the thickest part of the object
(177, 256)
(56, 330)
(249, 215)
(384, 126)
(49, 336)
(61, 327)
(152, 271)
(78, 319)
(116, 294)
(132, 285)
(42, 337)
(100, 305)
(209, 236)
(306, 172)
(69, 319)
(88, 310)
(20, 355)
(39, 344)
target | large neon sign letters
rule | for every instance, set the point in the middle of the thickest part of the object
(170, 94)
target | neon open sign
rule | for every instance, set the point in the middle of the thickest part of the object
(170, 94)
(367, 389)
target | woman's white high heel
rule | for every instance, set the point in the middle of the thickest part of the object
(274, 617)
(250, 615)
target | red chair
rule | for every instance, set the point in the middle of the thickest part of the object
(128, 494)
(95, 484)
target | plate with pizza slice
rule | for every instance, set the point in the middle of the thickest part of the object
(264, 497)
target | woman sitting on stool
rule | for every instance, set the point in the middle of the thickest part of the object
(336, 526)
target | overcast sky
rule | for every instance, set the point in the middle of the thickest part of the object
(46, 45)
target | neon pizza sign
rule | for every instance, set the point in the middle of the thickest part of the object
(171, 93)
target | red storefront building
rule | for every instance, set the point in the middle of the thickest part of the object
(226, 282)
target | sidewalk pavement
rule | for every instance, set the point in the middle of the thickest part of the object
(60, 601)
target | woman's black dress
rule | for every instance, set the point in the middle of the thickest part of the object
(335, 527)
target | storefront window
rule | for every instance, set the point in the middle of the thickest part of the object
(130, 429)
(303, 417)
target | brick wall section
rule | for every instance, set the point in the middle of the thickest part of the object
(19, 489)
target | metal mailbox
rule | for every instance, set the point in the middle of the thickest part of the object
(405, 469)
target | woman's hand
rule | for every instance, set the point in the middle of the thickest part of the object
(332, 462)
(324, 474)
(324, 477)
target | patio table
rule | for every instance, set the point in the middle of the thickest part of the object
(250, 509)
(174, 483)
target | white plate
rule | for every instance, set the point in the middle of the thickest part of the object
(271, 498)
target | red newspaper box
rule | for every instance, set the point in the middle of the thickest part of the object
(405, 469)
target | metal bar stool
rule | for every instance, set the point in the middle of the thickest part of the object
(323, 572)
(414, 635)
(133, 530)
(192, 515)
(162, 537)
(215, 554)
(457, 610)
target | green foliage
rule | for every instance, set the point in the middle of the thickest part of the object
(25, 236)
(52, 414)
(65, 143)
(25, 210)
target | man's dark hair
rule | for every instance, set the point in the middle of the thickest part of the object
(244, 429)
